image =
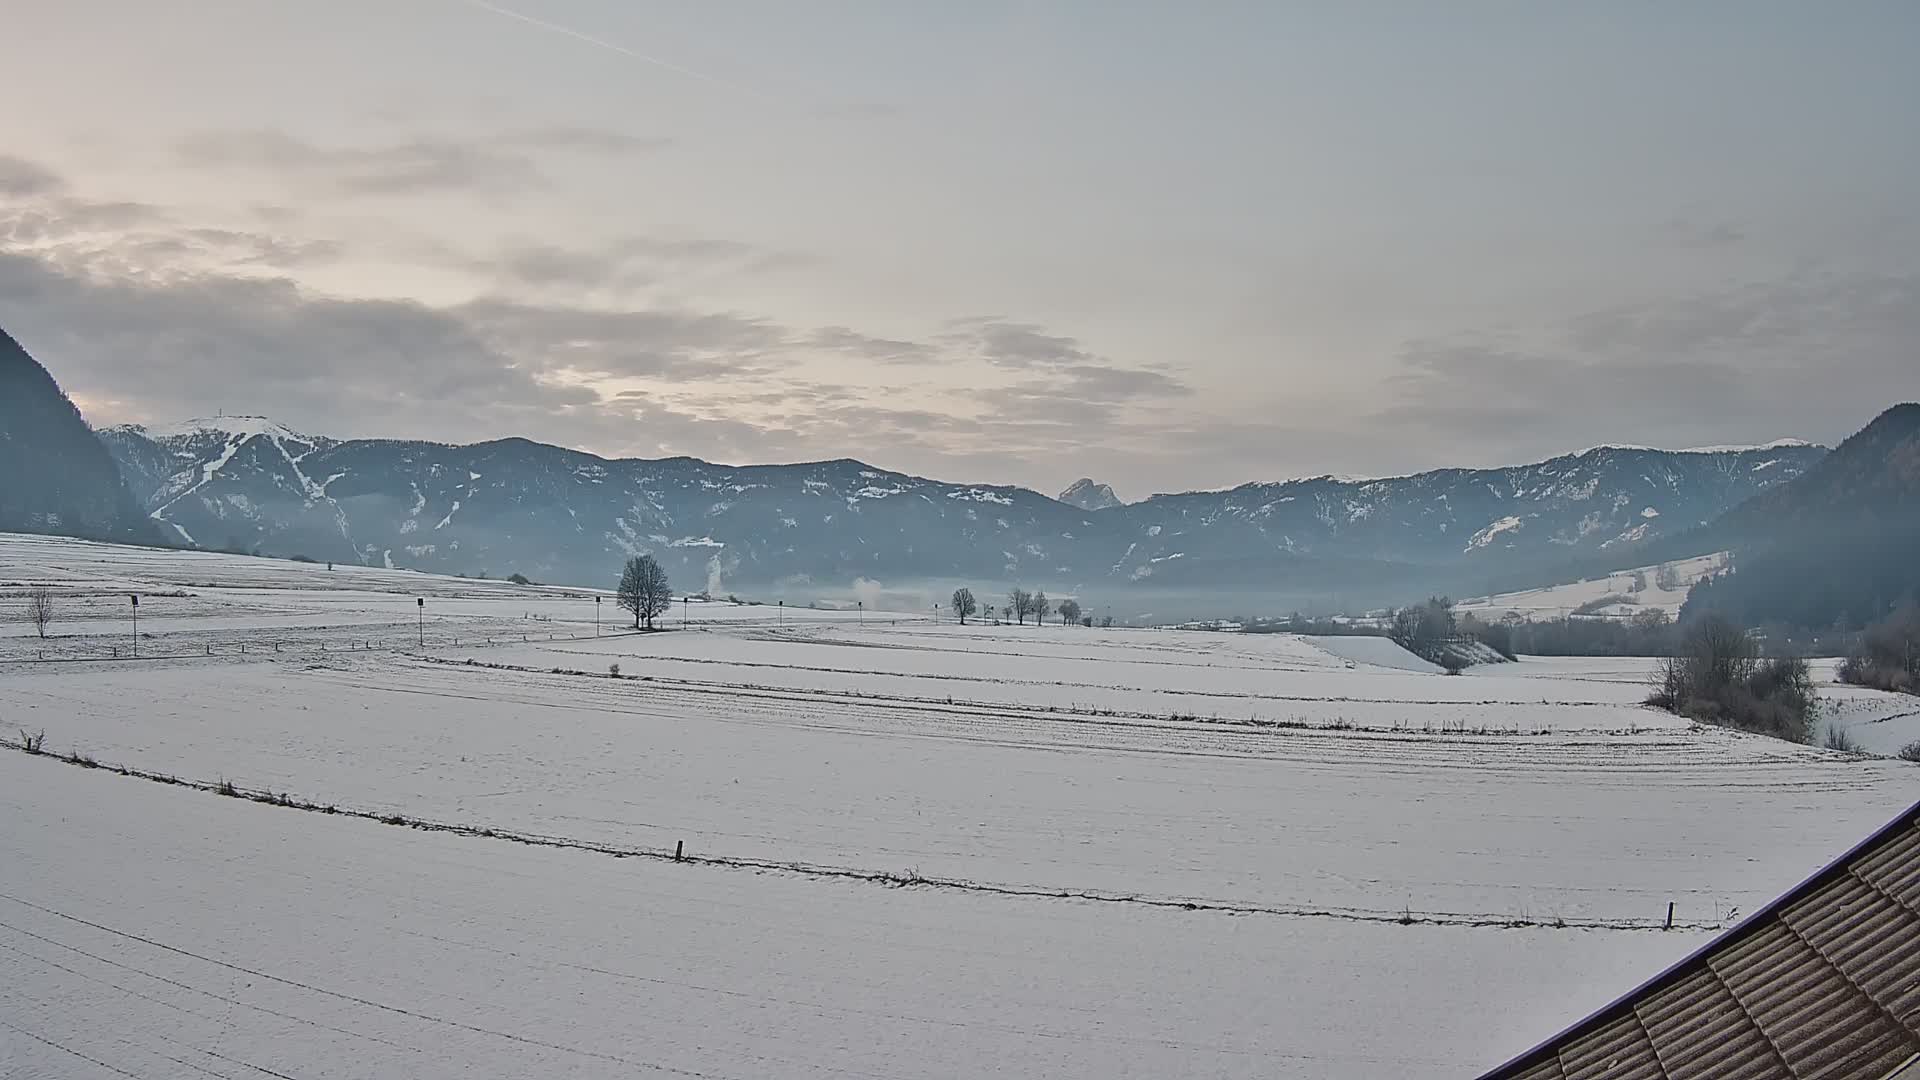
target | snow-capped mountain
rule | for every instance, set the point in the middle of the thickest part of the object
(562, 515)
(1087, 495)
(1600, 499)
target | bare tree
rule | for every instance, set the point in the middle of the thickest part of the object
(964, 604)
(1041, 606)
(40, 610)
(644, 590)
(1020, 603)
(1069, 612)
(1667, 578)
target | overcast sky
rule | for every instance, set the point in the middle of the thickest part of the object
(1168, 246)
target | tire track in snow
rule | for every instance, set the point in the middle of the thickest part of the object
(366, 1002)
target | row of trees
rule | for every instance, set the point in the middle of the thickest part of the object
(1020, 605)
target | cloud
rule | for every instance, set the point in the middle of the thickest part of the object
(136, 237)
(1690, 233)
(1096, 382)
(1016, 345)
(582, 140)
(1813, 355)
(495, 164)
(841, 339)
(1063, 382)
(628, 262)
(150, 317)
(661, 345)
(19, 177)
(542, 265)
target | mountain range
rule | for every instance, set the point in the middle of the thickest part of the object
(554, 514)
(248, 483)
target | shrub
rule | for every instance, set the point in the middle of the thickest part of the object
(518, 579)
(1838, 739)
(1716, 677)
(302, 558)
(32, 743)
(1911, 751)
(1886, 657)
(613, 670)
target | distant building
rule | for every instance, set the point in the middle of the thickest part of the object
(1823, 982)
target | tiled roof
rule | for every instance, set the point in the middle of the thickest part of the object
(1823, 982)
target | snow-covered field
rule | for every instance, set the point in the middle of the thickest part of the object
(916, 849)
(1559, 601)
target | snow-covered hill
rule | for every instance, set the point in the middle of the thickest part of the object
(1656, 587)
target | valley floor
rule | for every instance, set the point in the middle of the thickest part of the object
(915, 849)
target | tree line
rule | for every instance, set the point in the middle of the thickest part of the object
(1022, 605)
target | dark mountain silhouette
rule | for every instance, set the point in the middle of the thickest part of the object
(1838, 546)
(1870, 480)
(55, 476)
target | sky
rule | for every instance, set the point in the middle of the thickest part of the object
(1165, 246)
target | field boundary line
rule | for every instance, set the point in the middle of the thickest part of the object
(893, 879)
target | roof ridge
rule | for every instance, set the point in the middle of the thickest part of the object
(1894, 834)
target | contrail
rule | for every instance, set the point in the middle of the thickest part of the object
(614, 46)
